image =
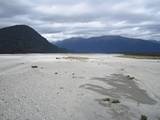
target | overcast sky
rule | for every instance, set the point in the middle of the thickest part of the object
(59, 19)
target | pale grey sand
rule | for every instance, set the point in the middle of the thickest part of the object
(75, 86)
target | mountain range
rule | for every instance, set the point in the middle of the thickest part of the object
(24, 39)
(110, 44)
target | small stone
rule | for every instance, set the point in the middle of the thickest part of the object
(143, 117)
(106, 99)
(34, 66)
(129, 77)
(132, 78)
(115, 101)
(56, 73)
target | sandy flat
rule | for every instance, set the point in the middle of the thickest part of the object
(78, 87)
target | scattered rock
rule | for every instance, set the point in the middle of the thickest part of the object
(58, 58)
(56, 73)
(106, 99)
(73, 75)
(129, 77)
(143, 117)
(111, 100)
(115, 101)
(34, 66)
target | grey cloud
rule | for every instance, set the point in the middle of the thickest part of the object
(66, 18)
(10, 8)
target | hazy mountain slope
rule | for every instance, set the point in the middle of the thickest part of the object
(110, 44)
(24, 39)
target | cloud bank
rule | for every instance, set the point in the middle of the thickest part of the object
(57, 20)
